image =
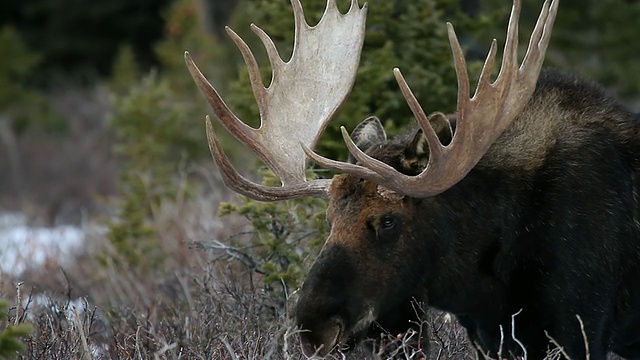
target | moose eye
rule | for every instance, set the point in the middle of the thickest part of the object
(389, 228)
(387, 222)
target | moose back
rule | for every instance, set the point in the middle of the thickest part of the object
(525, 200)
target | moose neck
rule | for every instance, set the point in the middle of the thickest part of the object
(474, 222)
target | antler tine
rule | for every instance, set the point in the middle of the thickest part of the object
(243, 186)
(303, 95)
(375, 176)
(541, 35)
(224, 114)
(510, 54)
(460, 65)
(274, 58)
(480, 119)
(255, 78)
(298, 15)
(435, 147)
(487, 68)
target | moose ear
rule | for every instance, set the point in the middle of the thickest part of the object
(367, 133)
(416, 154)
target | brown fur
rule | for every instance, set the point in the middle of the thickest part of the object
(557, 112)
(363, 203)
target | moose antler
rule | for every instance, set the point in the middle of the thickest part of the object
(480, 119)
(303, 95)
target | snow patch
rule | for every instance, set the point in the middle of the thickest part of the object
(23, 247)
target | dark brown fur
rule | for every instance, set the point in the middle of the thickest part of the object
(546, 223)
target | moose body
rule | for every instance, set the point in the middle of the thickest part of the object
(547, 224)
(525, 200)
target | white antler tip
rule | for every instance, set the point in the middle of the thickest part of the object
(451, 32)
(398, 75)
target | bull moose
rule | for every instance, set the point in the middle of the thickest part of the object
(526, 199)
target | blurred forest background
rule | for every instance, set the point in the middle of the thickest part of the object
(68, 71)
(100, 123)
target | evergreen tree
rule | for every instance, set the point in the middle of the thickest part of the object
(157, 134)
(10, 343)
(81, 39)
(592, 38)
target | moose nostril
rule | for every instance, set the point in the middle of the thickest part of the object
(308, 349)
(321, 341)
(311, 346)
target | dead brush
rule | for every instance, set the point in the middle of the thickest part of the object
(203, 305)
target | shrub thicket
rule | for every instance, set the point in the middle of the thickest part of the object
(156, 139)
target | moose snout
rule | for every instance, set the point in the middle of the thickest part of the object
(324, 310)
(322, 339)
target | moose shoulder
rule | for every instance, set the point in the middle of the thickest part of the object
(525, 200)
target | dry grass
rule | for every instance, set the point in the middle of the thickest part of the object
(200, 305)
(220, 320)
